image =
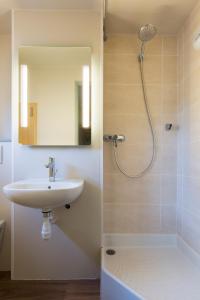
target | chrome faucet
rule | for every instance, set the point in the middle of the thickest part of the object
(52, 169)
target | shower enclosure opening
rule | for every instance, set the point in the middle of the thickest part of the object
(145, 34)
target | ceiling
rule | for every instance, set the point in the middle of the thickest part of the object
(123, 16)
(7, 5)
(126, 16)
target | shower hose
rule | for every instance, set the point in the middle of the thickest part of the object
(148, 167)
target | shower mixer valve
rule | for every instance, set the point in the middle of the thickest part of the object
(114, 138)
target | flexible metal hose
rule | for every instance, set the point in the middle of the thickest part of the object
(148, 167)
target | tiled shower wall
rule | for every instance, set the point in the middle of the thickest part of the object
(147, 204)
(189, 138)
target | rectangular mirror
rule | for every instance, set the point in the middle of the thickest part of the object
(54, 96)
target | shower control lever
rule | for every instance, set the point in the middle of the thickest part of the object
(113, 138)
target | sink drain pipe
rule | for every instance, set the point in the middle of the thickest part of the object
(46, 226)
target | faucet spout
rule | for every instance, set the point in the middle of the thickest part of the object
(52, 169)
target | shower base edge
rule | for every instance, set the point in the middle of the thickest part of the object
(145, 267)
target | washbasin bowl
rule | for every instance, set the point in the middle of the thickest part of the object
(42, 194)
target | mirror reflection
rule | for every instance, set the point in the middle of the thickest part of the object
(54, 96)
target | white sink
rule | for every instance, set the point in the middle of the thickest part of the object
(40, 193)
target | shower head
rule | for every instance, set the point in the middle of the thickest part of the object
(147, 32)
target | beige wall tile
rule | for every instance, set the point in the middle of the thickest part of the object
(170, 94)
(179, 158)
(191, 193)
(134, 126)
(191, 122)
(191, 58)
(169, 159)
(122, 99)
(168, 219)
(121, 69)
(188, 142)
(190, 230)
(180, 100)
(134, 206)
(180, 56)
(128, 99)
(179, 220)
(179, 190)
(142, 191)
(132, 157)
(119, 218)
(154, 98)
(168, 189)
(154, 47)
(170, 45)
(191, 163)
(192, 87)
(152, 69)
(122, 43)
(170, 69)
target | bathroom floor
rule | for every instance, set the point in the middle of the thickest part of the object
(155, 273)
(48, 290)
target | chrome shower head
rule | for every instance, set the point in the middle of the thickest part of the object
(147, 32)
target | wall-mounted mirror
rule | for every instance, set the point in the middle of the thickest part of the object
(54, 96)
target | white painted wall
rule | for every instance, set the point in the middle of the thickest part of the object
(74, 250)
(5, 206)
(5, 134)
(5, 87)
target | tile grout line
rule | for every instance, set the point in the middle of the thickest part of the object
(161, 142)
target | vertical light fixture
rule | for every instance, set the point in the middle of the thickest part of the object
(24, 95)
(86, 97)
